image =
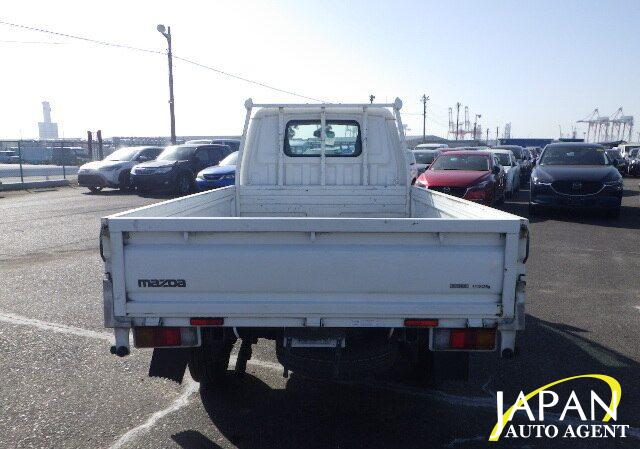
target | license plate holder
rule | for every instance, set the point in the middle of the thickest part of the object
(315, 342)
(576, 201)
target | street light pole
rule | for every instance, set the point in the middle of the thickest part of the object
(167, 34)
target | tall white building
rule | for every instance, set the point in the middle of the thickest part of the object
(47, 129)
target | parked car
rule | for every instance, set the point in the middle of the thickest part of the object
(114, 170)
(511, 170)
(311, 253)
(430, 146)
(472, 175)
(617, 160)
(523, 161)
(176, 167)
(9, 157)
(576, 175)
(424, 158)
(530, 157)
(69, 155)
(625, 148)
(221, 175)
(234, 144)
(633, 163)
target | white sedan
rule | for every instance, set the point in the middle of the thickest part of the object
(511, 168)
(113, 171)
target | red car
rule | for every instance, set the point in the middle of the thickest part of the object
(472, 175)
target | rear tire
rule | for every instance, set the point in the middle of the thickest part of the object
(95, 189)
(183, 185)
(209, 362)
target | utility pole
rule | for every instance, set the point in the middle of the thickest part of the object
(457, 118)
(167, 34)
(90, 146)
(371, 98)
(487, 137)
(497, 133)
(100, 152)
(424, 117)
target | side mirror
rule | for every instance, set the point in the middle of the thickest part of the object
(495, 170)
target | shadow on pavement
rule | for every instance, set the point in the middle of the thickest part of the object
(251, 414)
(109, 192)
(192, 439)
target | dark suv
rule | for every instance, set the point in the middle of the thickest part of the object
(575, 175)
(176, 168)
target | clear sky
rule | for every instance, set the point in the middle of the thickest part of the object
(537, 64)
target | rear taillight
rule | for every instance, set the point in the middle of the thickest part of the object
(420, 322)
(207, 321)
(154, 337)
(473, 339)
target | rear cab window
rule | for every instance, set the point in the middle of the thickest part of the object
(303, 138)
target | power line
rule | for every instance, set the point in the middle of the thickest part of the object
(238, 77)
(3, 41)
(82, 38)
(146, 50)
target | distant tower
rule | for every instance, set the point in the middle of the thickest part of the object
(47, 129)
(506, 134)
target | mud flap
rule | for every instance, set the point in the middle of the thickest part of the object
(169, 363)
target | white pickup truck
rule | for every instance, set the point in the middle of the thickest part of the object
(324, 246)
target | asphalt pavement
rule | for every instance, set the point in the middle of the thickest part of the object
(62, 388)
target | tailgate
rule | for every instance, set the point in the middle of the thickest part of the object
(286, 271)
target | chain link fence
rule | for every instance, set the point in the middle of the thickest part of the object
(24, 162)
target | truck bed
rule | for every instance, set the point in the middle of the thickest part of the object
(270, 264)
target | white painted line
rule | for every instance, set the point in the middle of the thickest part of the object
(600, 355)
(54, 327)
(191, 386)
(181, 401)
(638, 307)
(465, 441)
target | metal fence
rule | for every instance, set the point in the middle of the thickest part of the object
(26, 161)
(23, 162)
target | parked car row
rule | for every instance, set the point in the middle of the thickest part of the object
(180, 169)
(561, 175)
(633, 162)
(627, 158)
